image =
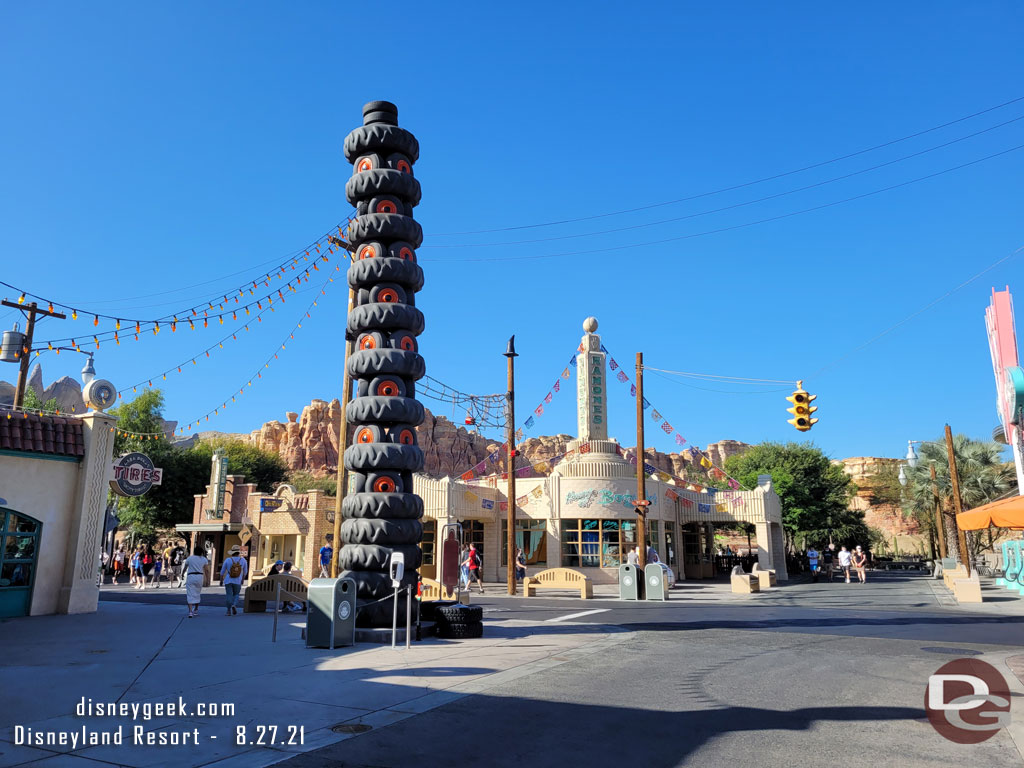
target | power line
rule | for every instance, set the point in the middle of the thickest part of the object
(736, 186)
(733, 227)
(722, 391)
(732, 206)
(715, 376)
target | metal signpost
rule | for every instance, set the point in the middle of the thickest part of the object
(397, 570)
(451, 553)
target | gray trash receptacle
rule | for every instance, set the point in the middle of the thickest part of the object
(629, 582)
(655, 586)
(331, 621)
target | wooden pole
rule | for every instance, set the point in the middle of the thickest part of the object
(940, 532)
(641, 476)
(510, 464)
(339, 494)
(32, 309)
(957, 508)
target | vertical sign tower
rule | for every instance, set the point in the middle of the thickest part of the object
(382, 514)
(591, 383)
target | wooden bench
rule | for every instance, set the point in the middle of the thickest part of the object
(765, 577)
(433, 590)
(262, 590)
(559, 578)
(967, 590)
(744, 583)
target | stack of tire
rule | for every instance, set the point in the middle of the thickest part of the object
(381, 514)
(458, 621)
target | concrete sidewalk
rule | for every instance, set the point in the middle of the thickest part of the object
(145, 653)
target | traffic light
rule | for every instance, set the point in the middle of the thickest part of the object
(802, 408)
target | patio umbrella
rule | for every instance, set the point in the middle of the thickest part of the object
(1008, 513)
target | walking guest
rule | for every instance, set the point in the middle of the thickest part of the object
(520, 565)
(812, 563)
(652, 555)
(844, 562)
(158, 566)
(119, 562)
(632, 557)
(196, 568)
(326, 553)
(473, 563)
(232, 573)
(136, 566)
(827, 556)
(860, 562)
(176, 560)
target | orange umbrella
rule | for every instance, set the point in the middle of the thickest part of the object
(1008, 513)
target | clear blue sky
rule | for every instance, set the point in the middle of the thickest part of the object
(148, 147)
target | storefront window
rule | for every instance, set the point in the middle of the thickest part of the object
(670, 544)
(473, 533)
(653, 539)
(429, 539)
(596, 543)
(531, 537)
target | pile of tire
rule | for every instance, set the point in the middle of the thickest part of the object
(458, 621)
(381, 514)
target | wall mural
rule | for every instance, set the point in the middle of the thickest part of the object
(381, 514)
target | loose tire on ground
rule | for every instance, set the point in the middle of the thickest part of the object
(460, 631)
(460, 614)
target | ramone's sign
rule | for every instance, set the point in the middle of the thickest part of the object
(134, 474)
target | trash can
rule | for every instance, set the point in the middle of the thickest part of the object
(629, 582)
(654, 582)
(331, 621)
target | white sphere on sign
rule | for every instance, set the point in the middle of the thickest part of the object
(590, 325)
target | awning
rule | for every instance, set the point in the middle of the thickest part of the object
(209, 527)
(1008, 513)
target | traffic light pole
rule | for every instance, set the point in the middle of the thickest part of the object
(641, 477)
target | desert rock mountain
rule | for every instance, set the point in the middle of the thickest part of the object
(309, 442)
(66, 389)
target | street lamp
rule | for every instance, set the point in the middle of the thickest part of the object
(88, 372)
(911, 454)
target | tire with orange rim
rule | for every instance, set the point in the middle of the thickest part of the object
(388, 204)
(387, 227)
(393, 457)
(388, 293)
(383, 181)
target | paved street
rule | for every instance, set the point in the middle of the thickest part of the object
(808, 671)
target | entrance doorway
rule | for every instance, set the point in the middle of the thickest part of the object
(19, 535)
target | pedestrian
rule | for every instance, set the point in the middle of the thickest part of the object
(120, 563)
(812, 563)
(844, 562)
(274, 568)
(652, 555)
(473, 564)
(633, 557)
(147, 561)
(326, 553)
(860, 562)
(136, 566)
(288, 570)
(158, 566)
(827, 558)
(520, 565)
(196, 568)
(176, 561)
(232, 574)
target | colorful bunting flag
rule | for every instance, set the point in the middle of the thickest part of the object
(612, 364)
(704, 509)
(666, 428)
(664, 477)
(632, 460)
(486, 504)
(503, 506)
(647, 403)
(604, 349)
(519, 434)
(705, 461)
(722, 507)
(539, 410)
(479, 468)
(733, 484)
(632, 390)
(558, 385)
(585, 448)
(537, 492)
(680, 440)
(672, 495)
(467, 475)
(565, 374)
(523, 472)
(621, 376)
(470, 496)
(521, 501)
(572, 362)
(687, 502)
(549, 397)
(655, 415)
(529, 424)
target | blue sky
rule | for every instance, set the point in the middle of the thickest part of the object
(149, 148)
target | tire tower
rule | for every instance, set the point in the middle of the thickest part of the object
(381, 514)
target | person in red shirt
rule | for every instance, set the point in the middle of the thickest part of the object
(475, 572)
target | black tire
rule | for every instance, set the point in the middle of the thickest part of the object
(380, 118)
(367, 272)
(383, 181)
(385, 410)
(370, 457)
(366, 482)
(366, 363)
(373, 614)
(374, 585)
(397, 385)
(373, 557)
(461, 631)
(460, 614)
(384, 532)
(385, 317)
(380, 106)
(383, 139)
(387, 227)
(376, 506)
(429, 608)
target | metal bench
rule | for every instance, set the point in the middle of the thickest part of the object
(263, 590)
(559, 578)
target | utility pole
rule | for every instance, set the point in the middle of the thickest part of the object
(641, 476)
(510, 427)
(939, 528)
(957, 509)
(32, 310)
(339, 494)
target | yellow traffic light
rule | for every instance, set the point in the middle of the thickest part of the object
(802, 408)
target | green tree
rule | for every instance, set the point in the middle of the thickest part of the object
(264, 468)
(31, 401)
(815, 493)
(306, 481)
(983, 476)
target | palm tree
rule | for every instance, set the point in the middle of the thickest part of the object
(983, 476)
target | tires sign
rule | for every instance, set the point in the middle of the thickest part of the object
(134, 474)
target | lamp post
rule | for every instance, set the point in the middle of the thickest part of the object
(912, 461)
